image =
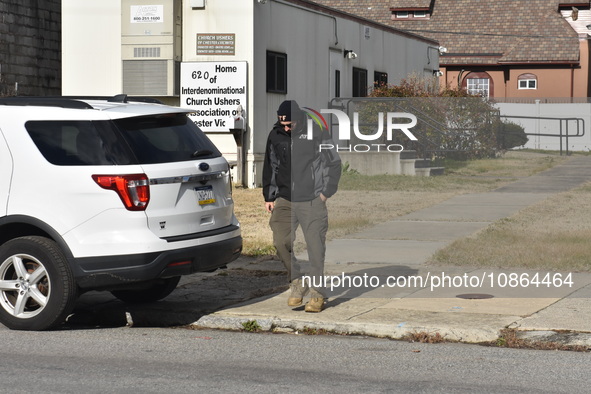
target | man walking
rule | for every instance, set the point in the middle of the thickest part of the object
(298, 178)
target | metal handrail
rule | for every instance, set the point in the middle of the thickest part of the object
(579, 122)
(441, 130)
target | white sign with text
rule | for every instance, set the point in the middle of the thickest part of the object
(216, 91)
(147, 14)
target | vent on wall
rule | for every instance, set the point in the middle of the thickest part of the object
(150, 50)
(146, 52)
(145, 77)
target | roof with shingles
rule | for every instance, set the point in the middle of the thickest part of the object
(483, 31)
(403, 4)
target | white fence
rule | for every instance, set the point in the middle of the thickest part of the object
(541, 120)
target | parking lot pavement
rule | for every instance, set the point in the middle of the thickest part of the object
(195, 296)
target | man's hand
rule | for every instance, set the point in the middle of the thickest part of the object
(269, 206)
(323, 197)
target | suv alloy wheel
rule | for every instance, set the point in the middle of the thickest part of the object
(37, 289)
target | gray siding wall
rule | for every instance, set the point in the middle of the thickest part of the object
(30, 47)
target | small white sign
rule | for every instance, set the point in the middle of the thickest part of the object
(215, 91)
(147, 14)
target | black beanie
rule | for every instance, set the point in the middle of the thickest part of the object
(290, 109)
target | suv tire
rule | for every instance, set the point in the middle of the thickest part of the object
(37, 288)
(157, 290)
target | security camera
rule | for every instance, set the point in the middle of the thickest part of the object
(349, 54)
(437, 73)
(442, 50)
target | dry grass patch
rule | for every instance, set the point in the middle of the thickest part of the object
(424, 337)
(519, 163)
(510, 338)
(363, 201)
(551, 235)
(349, 211)
(249, 207)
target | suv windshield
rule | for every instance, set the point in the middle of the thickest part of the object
(138, 140)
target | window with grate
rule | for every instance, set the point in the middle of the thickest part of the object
(276, 72)
(359, 82)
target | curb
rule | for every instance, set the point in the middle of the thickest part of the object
(275, 324)
(468, 336)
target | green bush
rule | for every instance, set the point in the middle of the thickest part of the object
(511, 135)
(452, 122)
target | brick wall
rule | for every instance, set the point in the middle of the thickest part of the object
(30, 47)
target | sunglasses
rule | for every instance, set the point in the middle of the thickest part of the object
(289, 125)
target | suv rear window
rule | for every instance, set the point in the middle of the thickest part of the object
(138, 140)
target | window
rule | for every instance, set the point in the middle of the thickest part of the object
(528, 84)
(380, 78)
(172, 138)
(359, 82)
(411, 14)
(276, 72)
(479, 83)
(337, 83)
(77, 143)
(478, 86)
(135, 140)
(527, 81)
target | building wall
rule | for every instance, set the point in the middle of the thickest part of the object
(227, 17)
(30, 47)
(91, 36)
(553, 80)
(551, 83)
(313, 40)
(582, 86)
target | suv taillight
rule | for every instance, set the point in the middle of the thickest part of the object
(134, 189)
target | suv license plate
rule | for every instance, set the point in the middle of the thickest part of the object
(205, 195)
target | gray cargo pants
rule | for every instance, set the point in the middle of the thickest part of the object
(312, 216)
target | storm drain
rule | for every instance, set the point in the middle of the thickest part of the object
(474, 296)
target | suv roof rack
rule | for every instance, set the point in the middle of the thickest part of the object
(119, 98)
(73, 102)
(45, 102)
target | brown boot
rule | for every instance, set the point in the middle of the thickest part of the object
(315, 305)
(298, 291)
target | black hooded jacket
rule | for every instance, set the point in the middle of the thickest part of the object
(295, 167)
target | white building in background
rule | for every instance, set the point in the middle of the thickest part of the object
(227, 58)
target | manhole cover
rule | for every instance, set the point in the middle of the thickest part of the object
(474, 296)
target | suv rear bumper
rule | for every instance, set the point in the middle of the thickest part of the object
(106, 272)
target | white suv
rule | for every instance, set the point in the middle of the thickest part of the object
(105, 194)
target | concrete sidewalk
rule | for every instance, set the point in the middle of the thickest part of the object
(458, 303)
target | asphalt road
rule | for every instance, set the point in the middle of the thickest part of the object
(96, 351)
(156, 360)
